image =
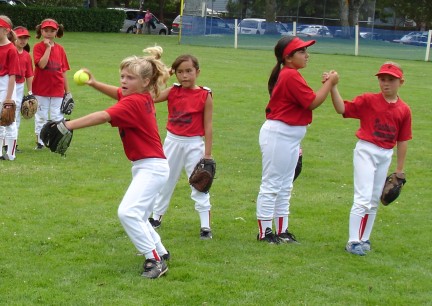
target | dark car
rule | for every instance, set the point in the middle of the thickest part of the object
(12, 2)
(200, 25)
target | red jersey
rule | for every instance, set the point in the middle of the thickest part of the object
(135, 117)
(186, 110)
(49, 82)
(381, 123)
(290, 99)
(26, 67)
(9, 61)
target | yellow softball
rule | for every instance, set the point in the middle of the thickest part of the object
(81, 77)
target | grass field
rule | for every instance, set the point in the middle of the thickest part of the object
(62, 244)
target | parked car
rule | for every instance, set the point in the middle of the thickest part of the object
(200, 25)
(418, 38)
(129, 25)
(257, 26)
(12, 2)
(315, 32)
(371, 36)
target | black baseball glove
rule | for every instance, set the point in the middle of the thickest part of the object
(392, 187)
(56, 136)
(203, 174)
(68, 104)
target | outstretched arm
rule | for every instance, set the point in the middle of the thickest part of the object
(163, 96)
(322, 93)
(338, 102)
(109, 90)
(88, 120)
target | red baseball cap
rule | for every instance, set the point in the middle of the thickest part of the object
(296, 44)
(49, 23)
(391, 69)
(21, 31)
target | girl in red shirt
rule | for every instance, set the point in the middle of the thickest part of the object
(189, 137)
(135, 117)
(385, 122)
(9, 69)
(50, 82)
(26, 75)
(288, 113)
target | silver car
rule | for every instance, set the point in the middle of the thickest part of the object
(129, 25)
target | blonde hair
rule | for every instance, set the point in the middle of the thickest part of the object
(60, 30)
(148, 67)
(11, 35)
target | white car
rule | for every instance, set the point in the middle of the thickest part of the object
(257, 26)
(129, 25)
(312, 32)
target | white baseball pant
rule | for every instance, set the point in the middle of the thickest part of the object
(48, 109)
(182, 152)
(371, 164)
(280, 145)
(8, 134)
(148, 177)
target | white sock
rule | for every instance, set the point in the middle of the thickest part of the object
(368, 227)
(205, 218)
(262, 225)
(281, 224)
(354, 227)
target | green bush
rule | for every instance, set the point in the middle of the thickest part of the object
(73, 19)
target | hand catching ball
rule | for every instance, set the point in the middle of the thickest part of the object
(81, 77)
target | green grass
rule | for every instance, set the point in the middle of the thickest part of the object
(62, 244)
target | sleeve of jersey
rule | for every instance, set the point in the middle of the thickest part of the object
(353, 109)
(122, 114)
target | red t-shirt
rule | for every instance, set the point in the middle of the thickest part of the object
(9, 62)
(135, 117)
(186, 110)
(49, 82)
(381, 123)
(26, 67)
(290, 99)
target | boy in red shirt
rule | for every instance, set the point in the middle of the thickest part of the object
(385, 122)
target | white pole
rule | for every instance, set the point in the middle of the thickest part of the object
(356, 39)
(294, 28)
(235, 33)
(428, 46)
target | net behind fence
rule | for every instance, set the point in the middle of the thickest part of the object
(200, 29)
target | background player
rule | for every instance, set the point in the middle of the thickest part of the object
(26, 75)
(9, 69)
(385, 121)
(50, 80)
(190, 112)
(288, 113)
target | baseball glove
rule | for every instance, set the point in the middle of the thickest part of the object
(68, 104)
(203, 174)
(29, 106)
(392, 187)
(7, 112)
(56, 136)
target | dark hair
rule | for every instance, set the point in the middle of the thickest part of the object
(185, 58)
(278, 51)
(60, 30)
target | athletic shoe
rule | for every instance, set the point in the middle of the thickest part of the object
(269, 237)
(154, 269)
(355, 248)
(166, 256)
(2, 158)
(154, 223)
(39, 146)
(366, 246)
(205, 233)
(287, 237)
